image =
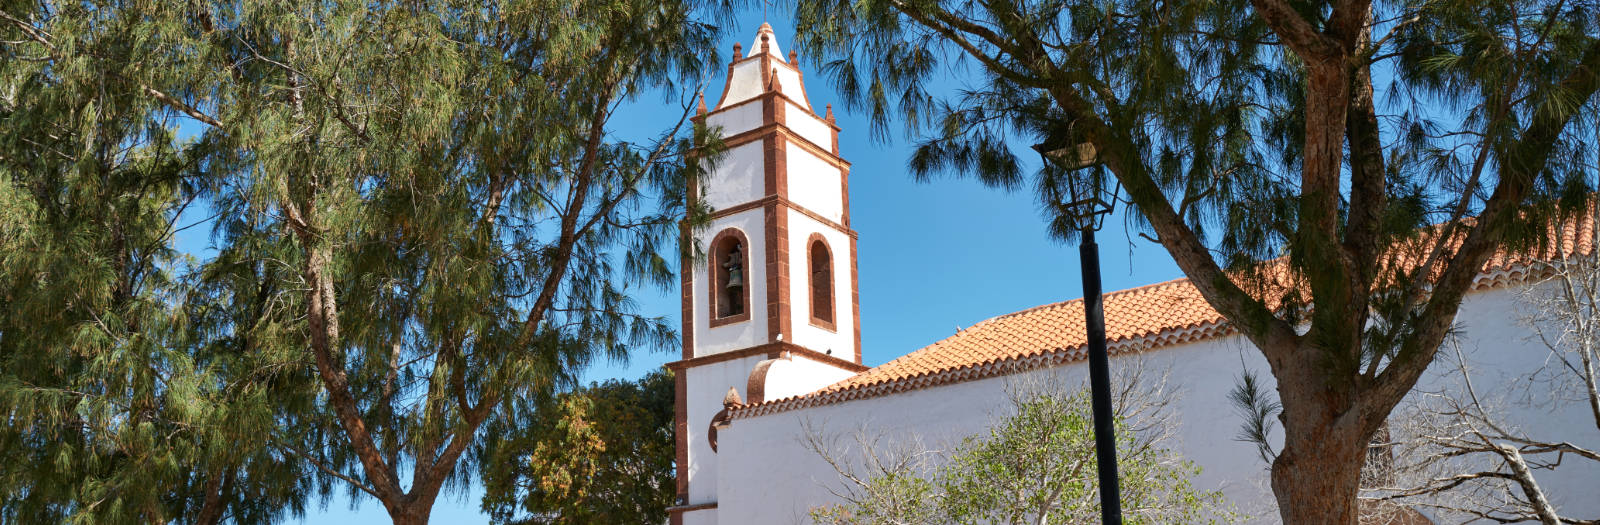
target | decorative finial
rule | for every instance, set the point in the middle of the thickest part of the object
(772, 82)
(732, 398)
(738, 49)
(702, 108)
(792, 56)
(830, 112)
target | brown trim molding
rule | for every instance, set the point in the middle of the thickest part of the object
(712, 281)
(844, 194)
(786, 203)
(772, 351)
(677, 511)
(811, 283)
(686, 283)
(775, 96)
(855, 297)
(775, 167)
(761, 132)
(680, 429)
(755, 387)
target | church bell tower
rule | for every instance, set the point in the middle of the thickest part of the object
(771, 310)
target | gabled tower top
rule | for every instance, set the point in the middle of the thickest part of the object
(765, 42)
(762, 69)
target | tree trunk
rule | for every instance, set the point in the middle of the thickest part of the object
(413, 514)
(1317, 476)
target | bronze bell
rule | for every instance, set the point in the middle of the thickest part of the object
(735, 268)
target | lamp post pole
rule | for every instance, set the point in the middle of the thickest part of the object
(1089, 205)
(1105, 437)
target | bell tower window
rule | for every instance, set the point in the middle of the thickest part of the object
(730, 278)
(821, 262)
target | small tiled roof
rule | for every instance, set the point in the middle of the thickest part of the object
(1156, 315)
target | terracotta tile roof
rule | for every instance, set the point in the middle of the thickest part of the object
(1130, 314)
(1151, 316)
(1148, 316)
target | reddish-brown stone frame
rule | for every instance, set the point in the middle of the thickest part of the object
(686, 251)
(776, 178)
(680, 429)
(855, 296)
(712, 282)
(772, 351)
(811, 282)
(755, 388)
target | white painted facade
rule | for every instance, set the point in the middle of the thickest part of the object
(815, 184)
(809, 126)
(736, 178)
(840, 340)
(709, 383)
(773, 478)
(734, 336)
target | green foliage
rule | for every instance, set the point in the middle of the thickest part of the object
(601, 454)
(423, 217)
(125, 399)
(1036, 466)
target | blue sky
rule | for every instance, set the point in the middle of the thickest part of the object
(932, 257)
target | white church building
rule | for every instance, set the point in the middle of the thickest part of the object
(772, 346)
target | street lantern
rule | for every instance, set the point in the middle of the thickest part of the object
(1089, 198)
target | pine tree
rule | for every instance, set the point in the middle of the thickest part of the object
(1336, 229)
(423, 217)
(113, 377)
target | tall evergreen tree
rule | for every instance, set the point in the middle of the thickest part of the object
(1337, 230)
(111, 383)
(424, 217)
(463, 224)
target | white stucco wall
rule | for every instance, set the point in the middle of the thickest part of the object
(707, 384)
(1502, 355)
(941, 416)
(702, 517)
(808, 126)
(737, 119)
(797, 375)
(743, 84)
(789, 80)
(708, 340)
(772, 478)
(738, 177)
(841, 341)
(814, 184)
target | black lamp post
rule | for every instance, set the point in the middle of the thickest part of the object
(1090, 199)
